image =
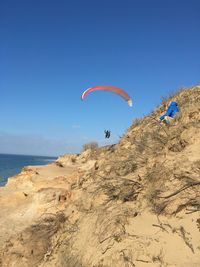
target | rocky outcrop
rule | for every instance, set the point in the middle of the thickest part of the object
(135, 203)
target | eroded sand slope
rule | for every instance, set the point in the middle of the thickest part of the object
(136, 203)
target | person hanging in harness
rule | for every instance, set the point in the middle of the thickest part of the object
(172, 109)
(107, 134)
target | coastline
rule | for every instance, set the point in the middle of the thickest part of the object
(27, 195)
(136, 201)
(12, 164)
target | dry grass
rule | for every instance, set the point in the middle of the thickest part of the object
(170, 95)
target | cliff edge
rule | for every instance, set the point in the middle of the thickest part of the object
(135, 203)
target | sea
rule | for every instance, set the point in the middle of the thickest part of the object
(11, 165)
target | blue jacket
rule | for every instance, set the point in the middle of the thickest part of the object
(171, 111)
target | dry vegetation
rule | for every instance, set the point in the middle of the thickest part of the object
(92, 145)
(153, 169)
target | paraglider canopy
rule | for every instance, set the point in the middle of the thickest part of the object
(110, 88)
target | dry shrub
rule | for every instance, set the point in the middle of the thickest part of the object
(142, 143)
(73, 160)
(122, 168)
(152, 200)
(197, 165)
(178, 145)
(136, 122)
(124, 190)
(126, 167)
(150, 142)
(156, 178)
(92, 145)
(59, 164)
(33, 243)
(68, 259)
(159, 173)
(191, 205)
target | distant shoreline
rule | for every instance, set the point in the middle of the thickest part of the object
(14, 154)
(12, 164)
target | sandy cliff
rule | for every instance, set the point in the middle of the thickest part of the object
(136, 203)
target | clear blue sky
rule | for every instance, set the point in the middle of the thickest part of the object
(50, 51)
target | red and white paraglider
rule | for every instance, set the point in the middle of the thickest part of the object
(110, 88)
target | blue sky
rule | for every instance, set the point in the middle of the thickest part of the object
(51, 51)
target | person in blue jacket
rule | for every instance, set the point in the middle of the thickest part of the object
(171, 111)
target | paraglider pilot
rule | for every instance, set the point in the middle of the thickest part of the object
(107, 134)
(171, 111)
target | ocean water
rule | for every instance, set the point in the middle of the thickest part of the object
(12, 164)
